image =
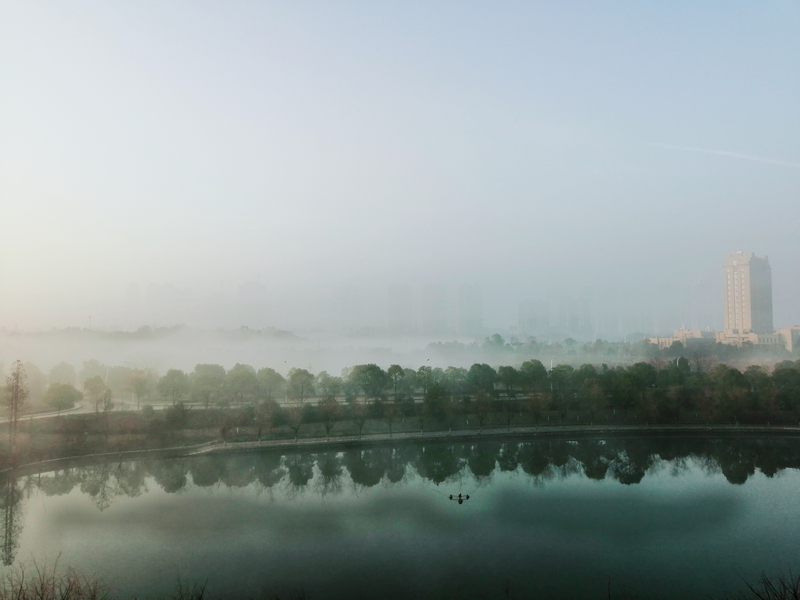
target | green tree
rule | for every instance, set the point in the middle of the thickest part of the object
(482, 377)
(93, 368)
(327, 385)
(425, 378)
(395, 375)
(241, 383)
(271, 384)
(174, 385)
(62, 373)
(300, 384)
(508, 377)
(140, 382)
(61, 396)
(207, 383)
(533, 376)
(95, 388)
(370, 379)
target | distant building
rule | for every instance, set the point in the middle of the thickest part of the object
(533, 318)
(688, 337)
(790, 336)
(747, 281)
(400, 310)
(469, 315)
(434, 309)
(575, 317)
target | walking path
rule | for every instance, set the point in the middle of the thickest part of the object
(529, 433)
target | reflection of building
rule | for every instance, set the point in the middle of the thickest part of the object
(469, 318)
(747, 280)
(400, 318)
(434, 308)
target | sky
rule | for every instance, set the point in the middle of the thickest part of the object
(544, 150)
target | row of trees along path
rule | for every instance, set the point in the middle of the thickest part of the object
(367, 397)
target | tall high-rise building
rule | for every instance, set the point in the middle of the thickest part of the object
(748, 294)
(469, 319)
(434, 309)
(400, 310)
(534, 317)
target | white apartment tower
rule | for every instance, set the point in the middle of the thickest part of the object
(748, 294)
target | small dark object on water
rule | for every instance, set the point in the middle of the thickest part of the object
(460, 498)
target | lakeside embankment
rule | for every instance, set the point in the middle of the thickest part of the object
(348, 442)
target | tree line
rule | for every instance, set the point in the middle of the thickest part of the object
(653, 391)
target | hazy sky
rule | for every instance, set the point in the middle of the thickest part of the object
(540, 149)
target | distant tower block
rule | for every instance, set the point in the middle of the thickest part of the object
(400, 311)
(434, 309)
(748, 294)
(469, 319)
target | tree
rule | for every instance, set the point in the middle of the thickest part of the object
(301, 384)
(424, 378)
(481, 377)
(271, 384)
(327, 385)
(94, 387)
(395, 374)
(61, 396)
(390, 414)
(483, 407)
(93, 368)
(533, 375)
(241, 383)
(140, 382)
(36, 382)
(265, 412)
(207, 383)
(62, 373)
(358, 413)
(508, 376)
(329, 409)
(370, 379)
(455, 380)
(174, 385)
(16, 393)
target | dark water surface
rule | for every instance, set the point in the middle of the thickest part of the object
(666, 518)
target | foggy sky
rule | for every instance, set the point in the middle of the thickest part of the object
(616, 150)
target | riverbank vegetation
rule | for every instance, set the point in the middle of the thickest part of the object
(243, 403)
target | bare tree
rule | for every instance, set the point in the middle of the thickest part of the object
(295, 414)
(358, 411)
(329, 409)
(265, 416)
(16, 393)
(390, 414)
(483, 407)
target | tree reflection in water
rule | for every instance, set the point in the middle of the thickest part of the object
(624, 460)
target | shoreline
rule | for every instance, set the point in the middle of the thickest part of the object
(460, 436)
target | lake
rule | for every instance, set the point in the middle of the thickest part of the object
(665, 518)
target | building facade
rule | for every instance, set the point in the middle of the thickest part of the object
(747, 281)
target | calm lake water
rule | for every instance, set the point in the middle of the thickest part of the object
(666, 518)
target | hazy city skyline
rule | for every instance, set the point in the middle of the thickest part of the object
(542, 152)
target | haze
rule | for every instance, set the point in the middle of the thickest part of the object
(282, 164)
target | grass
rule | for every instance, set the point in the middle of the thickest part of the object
(45, 583)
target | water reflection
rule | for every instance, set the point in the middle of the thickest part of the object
(333, 472)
